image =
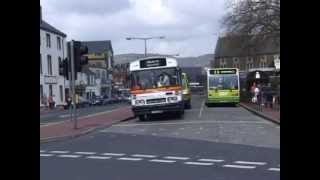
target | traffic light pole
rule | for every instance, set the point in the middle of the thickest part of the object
(73, 85)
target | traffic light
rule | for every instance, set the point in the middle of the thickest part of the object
(78, 53)
(79, 58)
(64, 68)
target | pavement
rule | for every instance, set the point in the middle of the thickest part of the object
(65, 129)
(58, 115)
(221, 143)
(267, 113)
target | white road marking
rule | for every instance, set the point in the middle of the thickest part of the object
(201, 109)
(130, 159)
(86, 153)
(64, 116)
(42, 151)
(238, 166)
(46, 155)
(69, 156)
(161, 160)
(211, 160)
(113, 154)
(250, 163)
(188, 122)
(144, 155)
(98, 157)
(274, 169)
(177, 158)
(199, 163)
(59, 152)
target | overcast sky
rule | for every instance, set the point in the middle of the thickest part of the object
(190, 26)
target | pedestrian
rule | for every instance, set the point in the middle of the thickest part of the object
(50, 102)
(45, 101)
(252, 89)
(257, 95)
(68, 102)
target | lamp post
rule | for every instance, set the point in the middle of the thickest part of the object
(145, 39)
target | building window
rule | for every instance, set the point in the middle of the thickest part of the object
(223, 63)
(61, 93)
(263, 62)
(40, 64)
(235, 63)
(41, 91)
(49, 64)
(58, 43)
(249, 63)
(98, 74)
(60, 62)
(48, 40)
(50, 90)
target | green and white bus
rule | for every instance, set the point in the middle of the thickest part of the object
(223, 86)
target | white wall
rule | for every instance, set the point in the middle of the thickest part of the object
(55, 53)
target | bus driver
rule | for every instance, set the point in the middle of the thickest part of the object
(163, 80)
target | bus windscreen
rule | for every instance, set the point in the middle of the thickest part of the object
(220, 82)
(154, 78)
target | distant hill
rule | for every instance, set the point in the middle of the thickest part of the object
(200, 61)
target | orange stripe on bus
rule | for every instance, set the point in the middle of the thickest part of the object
(156, 90)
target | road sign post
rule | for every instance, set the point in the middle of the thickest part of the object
(73, 85)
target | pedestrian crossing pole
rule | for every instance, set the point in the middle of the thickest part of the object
(73, 85)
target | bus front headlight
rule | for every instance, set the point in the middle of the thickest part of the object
(139, 102)
(172, 99)
(178, 92)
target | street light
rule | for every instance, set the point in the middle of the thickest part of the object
(145, 41)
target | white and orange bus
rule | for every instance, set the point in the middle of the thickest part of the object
(156, 87)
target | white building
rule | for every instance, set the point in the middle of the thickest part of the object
(52, 50)
(92, 81)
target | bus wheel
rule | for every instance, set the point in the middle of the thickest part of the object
(142, 117)
(180, 114)
(189, 105)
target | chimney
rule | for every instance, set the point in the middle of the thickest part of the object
(40, 15)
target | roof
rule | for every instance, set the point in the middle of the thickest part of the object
(47, 27)
(97, 46)
(236, 46)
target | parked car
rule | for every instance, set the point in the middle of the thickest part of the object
(83, 103)
(97, 101)
(106, 101)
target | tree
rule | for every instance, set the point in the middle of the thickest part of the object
(253, 17)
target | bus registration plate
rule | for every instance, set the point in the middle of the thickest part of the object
(156, 112)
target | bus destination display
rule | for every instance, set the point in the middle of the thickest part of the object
(223, 71)
(152, 63)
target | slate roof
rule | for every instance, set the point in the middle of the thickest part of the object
(98, 46)
(47, 27)
(237, 46)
